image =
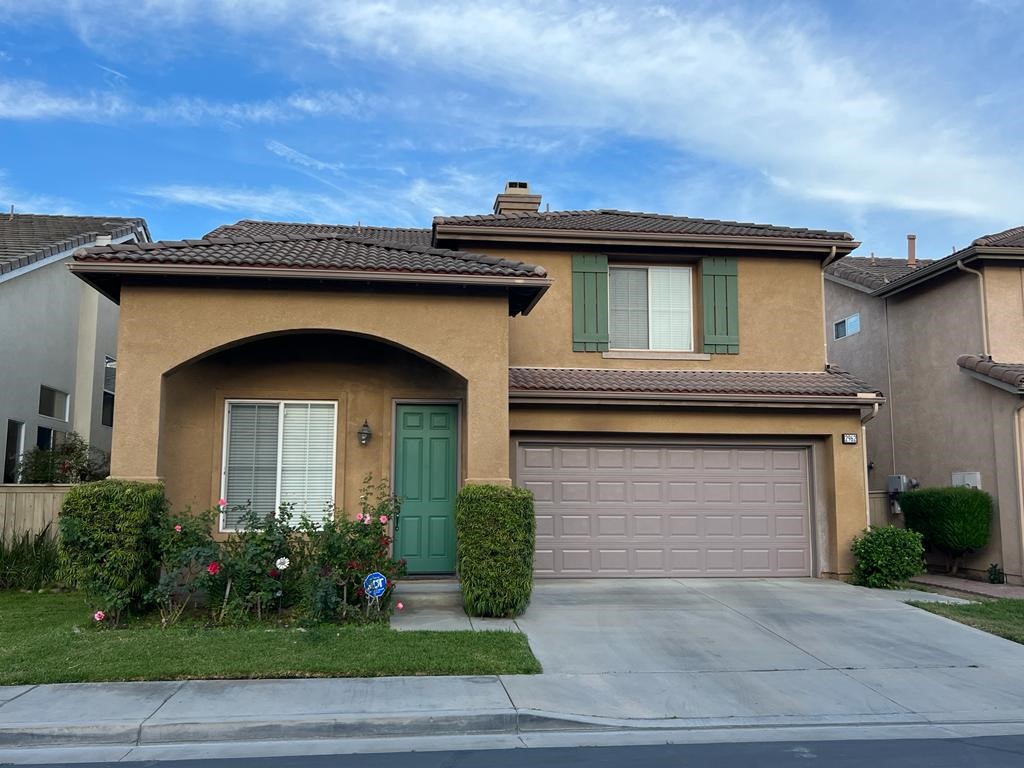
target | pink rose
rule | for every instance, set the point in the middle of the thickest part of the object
(222, 502)
(177, 529)
(99, 616)
(359, 517)
(366, 520)
(400, 606)
(383, 518)
(213, 568)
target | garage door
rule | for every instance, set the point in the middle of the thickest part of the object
(668, 510)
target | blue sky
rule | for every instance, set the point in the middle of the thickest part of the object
(878, 118)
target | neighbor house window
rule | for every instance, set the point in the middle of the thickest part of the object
(650, 308)
(278, 452)
(53, 403)
(847, 326)
(48, 439)
(13, 448)
(109, 387)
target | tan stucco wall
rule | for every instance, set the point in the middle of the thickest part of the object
(165, 327)
(943, 419)
(780, 318)
(841, 509)
(365, 378)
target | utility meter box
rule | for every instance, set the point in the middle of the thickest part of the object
(897, 484)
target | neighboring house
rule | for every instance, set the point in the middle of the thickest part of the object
(658, 382)
(59, 336)
(945, 338)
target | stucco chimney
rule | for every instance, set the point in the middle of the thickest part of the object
(912, 251)
(516, 199)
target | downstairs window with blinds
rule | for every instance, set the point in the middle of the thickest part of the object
(278, 453)
(650, 308)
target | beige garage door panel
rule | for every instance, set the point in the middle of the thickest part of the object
(657, 510)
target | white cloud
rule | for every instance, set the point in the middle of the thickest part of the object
(273, 203)
(762, 90)
(298, 158)
(31, 100)
(25, 202)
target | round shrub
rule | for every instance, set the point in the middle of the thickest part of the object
(495, 529)
(954, 521)
(887, 556)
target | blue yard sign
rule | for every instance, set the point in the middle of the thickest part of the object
(375, 585)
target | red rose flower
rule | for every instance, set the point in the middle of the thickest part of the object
(274, 573)
(213, 568)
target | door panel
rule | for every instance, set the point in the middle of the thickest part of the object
(426, 442)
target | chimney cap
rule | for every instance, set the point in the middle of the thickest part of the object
(516, 198)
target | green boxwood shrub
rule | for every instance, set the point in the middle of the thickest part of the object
(954, 521)
(109, 542)
(495, 528)
(887, 556)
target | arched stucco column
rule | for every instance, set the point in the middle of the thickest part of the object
(164, 327)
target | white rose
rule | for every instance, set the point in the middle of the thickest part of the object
(282, 563)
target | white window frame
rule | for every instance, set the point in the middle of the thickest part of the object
(67, 404)
(647, 268)
(280, 443)
(108, 362)
(846, 326)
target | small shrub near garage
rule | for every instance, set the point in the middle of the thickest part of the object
(108, 542)
(954, 521)
(887, 556)
(496, 531)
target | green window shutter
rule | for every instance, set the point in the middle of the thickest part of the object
(589, 303)
(721, 305)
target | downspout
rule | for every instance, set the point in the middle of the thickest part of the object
(824, 317)
(984, 307)
(1020, 483)
(864, 455)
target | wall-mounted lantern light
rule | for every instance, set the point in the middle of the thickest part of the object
(364, 433)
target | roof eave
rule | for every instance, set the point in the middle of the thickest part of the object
(569, 397)
(998, 383)
(947, 264)
(849, 284)
(87, 269)
(596, 237)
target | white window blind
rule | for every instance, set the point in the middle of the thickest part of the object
(307, 457)
(650, 308)
(627, 308)
(278, 453)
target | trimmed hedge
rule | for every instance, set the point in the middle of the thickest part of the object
(496, 529)
(109, 542)
(887, 556)
(954, 521)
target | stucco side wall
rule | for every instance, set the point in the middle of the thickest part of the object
(365, 379)
(164, 327)
(839, 493)
(865, 355)
(780, 314)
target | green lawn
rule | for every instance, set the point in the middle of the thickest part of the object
(1002, 617)
(47, 638)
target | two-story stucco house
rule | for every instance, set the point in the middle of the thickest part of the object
(658, 382)
(945, 338)
(58, 343)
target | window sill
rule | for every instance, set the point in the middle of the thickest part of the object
(652, 354)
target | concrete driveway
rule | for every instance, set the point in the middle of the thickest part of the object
(722, 649)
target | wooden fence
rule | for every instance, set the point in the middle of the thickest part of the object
(29, 508)
(878, 505)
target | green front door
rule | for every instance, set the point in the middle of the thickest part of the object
(426, 437)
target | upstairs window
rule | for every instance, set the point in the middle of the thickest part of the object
(53, 403)
(109, 388)
(847, 326)
(650, 308)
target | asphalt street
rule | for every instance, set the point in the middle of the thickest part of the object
(991, 752)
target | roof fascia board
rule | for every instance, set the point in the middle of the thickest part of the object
(585, 237)
(539, 397)
(849, 284)
(994, 382)
(973, 253)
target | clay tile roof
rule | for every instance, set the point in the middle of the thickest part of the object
(872, 273)
(608, 220)
(828, 383)
(1010, 238)
(29, 237)
(1005, 373)
(309, 251)
(403, 235)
